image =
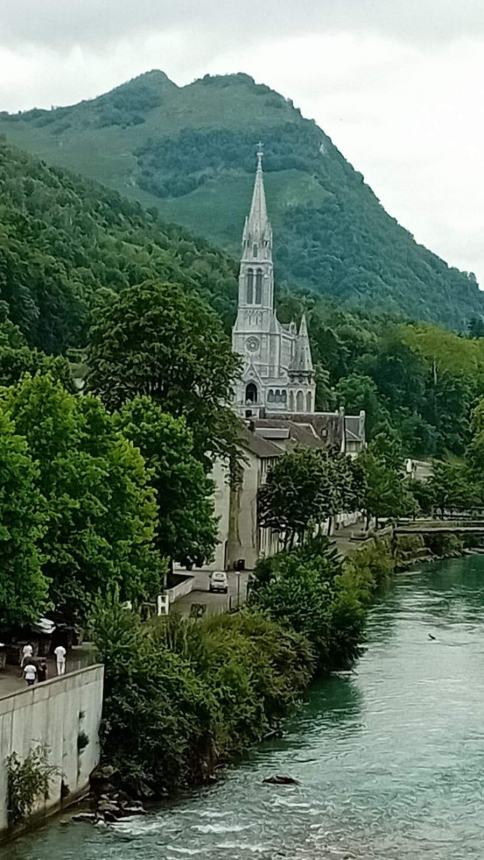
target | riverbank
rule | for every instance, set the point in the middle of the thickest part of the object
(386, 755)
(183, 698)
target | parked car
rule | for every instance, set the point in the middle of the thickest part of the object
(219, 581)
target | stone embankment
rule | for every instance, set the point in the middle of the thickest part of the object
(61, 716)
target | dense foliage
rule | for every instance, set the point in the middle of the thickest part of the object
(160, 341)
(28, 781)
(68, 245)
(23, 586)
(188, 151)
(85, 513)
(304, 489)
(186, 528)
(182, 696)
(420, 380)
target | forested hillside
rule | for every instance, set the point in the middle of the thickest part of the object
(66, 243)
(189, 152)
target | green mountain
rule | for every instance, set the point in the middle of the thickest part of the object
(66, 244)
(189, 152)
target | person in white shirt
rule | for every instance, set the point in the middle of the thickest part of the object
(60, 659)
(26, 654)
(30, 673)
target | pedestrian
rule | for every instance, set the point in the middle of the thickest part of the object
(60, 659)
(42, 671)
(26, 653)
(30, 673)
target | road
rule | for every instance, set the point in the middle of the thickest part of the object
(214, 603)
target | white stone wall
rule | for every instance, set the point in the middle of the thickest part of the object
(53, 713)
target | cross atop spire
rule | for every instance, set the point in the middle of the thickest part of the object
(260, 154)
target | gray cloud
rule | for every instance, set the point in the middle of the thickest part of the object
(93, 23)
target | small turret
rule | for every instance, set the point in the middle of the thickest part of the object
(302, 362)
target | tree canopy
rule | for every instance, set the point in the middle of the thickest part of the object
(186, 529)
(97, 506)
(160, 341)
(23, 585)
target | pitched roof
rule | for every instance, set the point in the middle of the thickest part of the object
(257, 445)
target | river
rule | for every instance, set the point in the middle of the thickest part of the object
(390, 758)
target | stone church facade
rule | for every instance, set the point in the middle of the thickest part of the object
(278, 373)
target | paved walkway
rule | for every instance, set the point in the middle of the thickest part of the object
(213, 603)
(11, 680)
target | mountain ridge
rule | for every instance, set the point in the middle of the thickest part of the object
(189, 152)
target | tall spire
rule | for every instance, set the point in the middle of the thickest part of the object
(257, 229)
(302, 362)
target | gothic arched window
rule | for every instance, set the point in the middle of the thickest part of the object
(300, 402)
(270, 396)
(291, 401)
(250, 286)
(258, 287)
(255, 250)
(308, 402)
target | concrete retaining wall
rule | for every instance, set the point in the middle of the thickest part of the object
(54, 713)
(182, 588)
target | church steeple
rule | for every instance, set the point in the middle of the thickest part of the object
(278, 373)
(256, 286)
(257, 235)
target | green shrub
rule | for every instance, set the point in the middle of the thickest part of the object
(444, 544)
(309, 590)
(181, 695)
(27, 782)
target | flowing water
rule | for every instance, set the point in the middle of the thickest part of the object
(390, 758)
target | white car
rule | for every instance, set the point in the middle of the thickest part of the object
(219, 581)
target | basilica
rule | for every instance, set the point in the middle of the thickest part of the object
(278, 373)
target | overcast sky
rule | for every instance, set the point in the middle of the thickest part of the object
(397, 84)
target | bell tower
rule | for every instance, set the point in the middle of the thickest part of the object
(277, 371)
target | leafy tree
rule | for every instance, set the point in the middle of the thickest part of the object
(161, 341)
(297, 494)
(386, 491)
(100, 511)
(181, 696)
(23, 586)
(451, 487)
(358, 392)
(17, 358)
(304, 588)
(304, 489)
(187, 528)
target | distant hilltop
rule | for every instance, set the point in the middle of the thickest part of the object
(190, 152)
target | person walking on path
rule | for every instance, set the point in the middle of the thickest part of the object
(30, 673)
(26, 654)
(42, 671)
(60, 659)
